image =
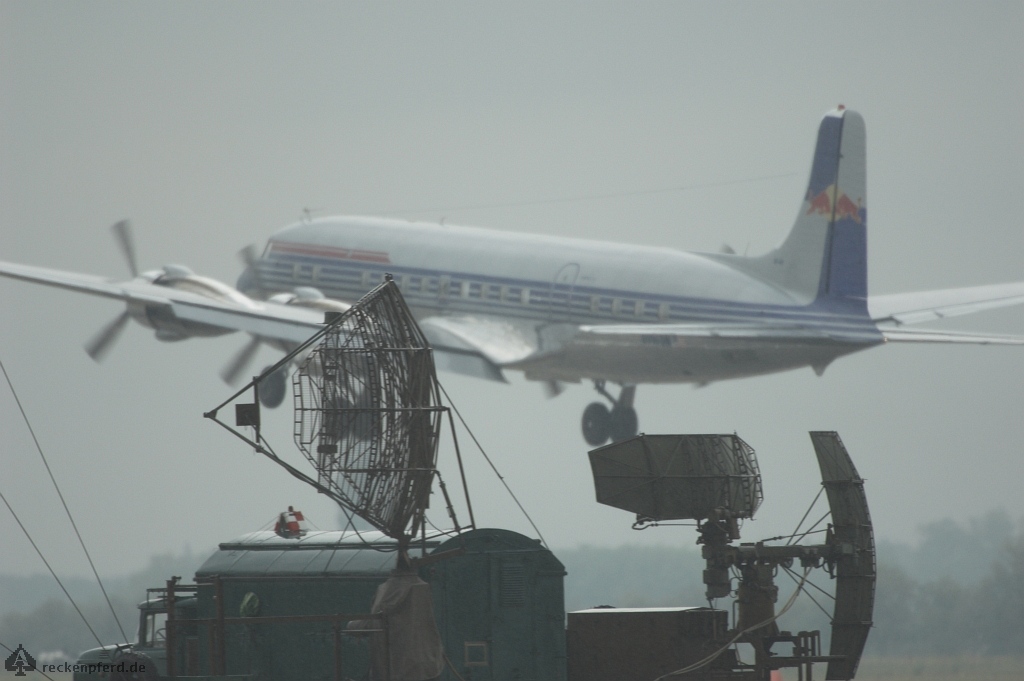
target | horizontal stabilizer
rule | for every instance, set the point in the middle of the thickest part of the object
(927, 306)
(929, 336)
(657, 334)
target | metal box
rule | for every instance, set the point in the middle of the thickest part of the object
(641, 644)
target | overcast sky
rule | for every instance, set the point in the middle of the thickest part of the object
(211, 125)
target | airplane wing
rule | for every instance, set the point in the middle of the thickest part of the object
(265, 319)
(478, 345)
(475, 346)
(926, 306)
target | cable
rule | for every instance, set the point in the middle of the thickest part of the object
(809, 582)
(63, 502)
(790, 536)
(811, 528)
(47, 564)
(808, 593)
(806, 513)
(493, 467)
(710, 658)
(4, 646)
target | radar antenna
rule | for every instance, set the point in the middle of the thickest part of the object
(714, 480)
(368, 414)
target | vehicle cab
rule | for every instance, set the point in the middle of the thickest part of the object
(151, 641)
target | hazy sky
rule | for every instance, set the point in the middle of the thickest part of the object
(211, 125)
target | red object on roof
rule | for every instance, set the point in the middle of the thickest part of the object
(291, 524)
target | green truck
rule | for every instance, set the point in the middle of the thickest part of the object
(271, 607)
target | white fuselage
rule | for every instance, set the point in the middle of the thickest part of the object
(549, 286)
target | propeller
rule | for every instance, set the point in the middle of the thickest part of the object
(250, 257)
(234, 368)
(241, 360)
(123, 234)
(553, 388)
(100, 344)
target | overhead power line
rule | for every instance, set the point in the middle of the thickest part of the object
(64, 503)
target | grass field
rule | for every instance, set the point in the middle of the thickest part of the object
(941, 669)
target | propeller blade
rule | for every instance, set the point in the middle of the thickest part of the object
(123, 234)
(233, 369)
(250, 257)
(100, 344)
(553, 388)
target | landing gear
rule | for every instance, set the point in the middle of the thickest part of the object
(618, 423)
(597, 424)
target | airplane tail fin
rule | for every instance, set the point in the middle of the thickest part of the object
(824, 258)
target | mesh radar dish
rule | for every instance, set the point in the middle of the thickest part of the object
(678, 477)
(367, 417)
(368, 413)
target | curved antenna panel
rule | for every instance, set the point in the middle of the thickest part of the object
(853, 541)
(368, 413)
(678, 477)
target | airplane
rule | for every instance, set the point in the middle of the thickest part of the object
(565, 310)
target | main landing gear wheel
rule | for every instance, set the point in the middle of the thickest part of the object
(618, 423)
(597, 424)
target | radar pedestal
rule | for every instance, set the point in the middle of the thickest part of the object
(714, 480)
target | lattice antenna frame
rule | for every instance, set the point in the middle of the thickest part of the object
(368, 413)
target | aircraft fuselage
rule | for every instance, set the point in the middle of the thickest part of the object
(547, 287)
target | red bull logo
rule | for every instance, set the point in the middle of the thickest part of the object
(844, 207)
(821, 203)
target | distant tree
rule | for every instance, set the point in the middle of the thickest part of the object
(1000, 599)
(894, 616)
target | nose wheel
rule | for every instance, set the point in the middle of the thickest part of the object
(601, 423)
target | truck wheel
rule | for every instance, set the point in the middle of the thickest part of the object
(134, 667)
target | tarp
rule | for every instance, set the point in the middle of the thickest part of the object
(411, 649)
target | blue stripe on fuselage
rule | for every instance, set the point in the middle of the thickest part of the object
(549, 301)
